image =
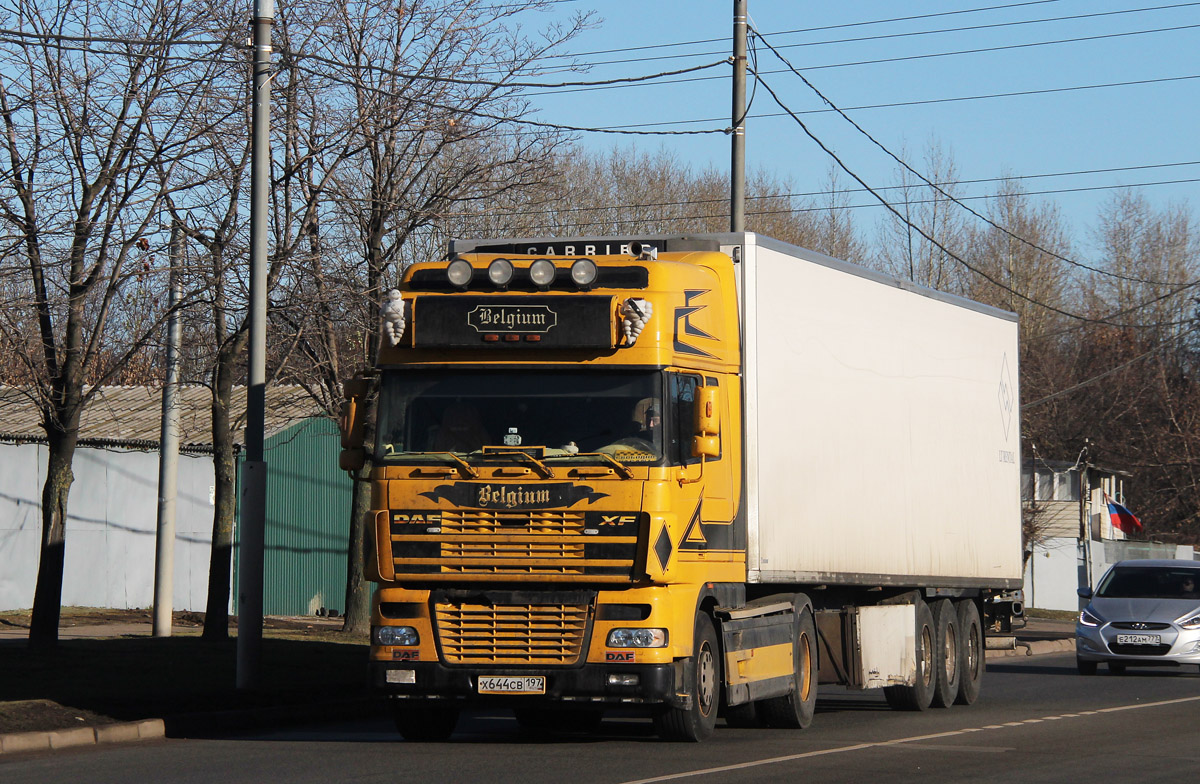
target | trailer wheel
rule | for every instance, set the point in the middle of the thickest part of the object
(795, 710)
(918, 696)
(424, 721)
(971, 663)
(696, 722)
(947, 658)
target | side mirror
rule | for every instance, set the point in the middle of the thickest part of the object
(351, 420)
(1084, 593)
(706, 446)
(352, 460)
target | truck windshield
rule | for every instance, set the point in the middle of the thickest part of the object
(619, 414)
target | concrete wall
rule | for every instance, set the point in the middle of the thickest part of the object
(1056, 569)
(112, 517)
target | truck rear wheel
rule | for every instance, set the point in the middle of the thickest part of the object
(971, 656)
(918, 696)
(795, 710)
(948, 658)
(424, 721)
(696, 722)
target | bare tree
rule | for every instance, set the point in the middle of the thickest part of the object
(89, 130)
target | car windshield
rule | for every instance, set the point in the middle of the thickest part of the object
(1150, 582)
(548, 414)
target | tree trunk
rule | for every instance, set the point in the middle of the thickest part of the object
(220, 564)
(47, 598)
(358, 595)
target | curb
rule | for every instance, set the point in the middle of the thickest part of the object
(147, 729)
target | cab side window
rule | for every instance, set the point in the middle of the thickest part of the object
(681, 387)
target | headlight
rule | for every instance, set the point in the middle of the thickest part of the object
(1086, 618)
(583, 272)
(396, 635)
(541, 272)
(637, 638)
(500, 272)
(1190, 622)
(459, 273)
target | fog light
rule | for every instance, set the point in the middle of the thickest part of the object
(459, 273)
(637, 638)
(401, 676)
(583, 272)
(623, 679)
(541, 272)
(500, 272)
(396, 635)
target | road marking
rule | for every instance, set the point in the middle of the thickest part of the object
(899, 741)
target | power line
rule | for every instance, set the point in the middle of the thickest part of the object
(912, 33)
(931, 55)
(923, 233)
(1004, 230)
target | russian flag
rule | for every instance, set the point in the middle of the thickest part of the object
(1122, 519)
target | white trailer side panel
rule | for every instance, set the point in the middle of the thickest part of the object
(882, 428)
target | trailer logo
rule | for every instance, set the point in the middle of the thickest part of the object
(1007, 397)
(684, 315)
(512, 318)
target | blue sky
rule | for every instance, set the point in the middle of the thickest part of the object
(1137, 125)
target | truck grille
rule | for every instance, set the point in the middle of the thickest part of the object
(534, 634)
(522, 545)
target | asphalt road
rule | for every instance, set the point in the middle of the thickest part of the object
(1037, 720)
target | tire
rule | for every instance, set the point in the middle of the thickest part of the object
(919, 696)
(424, 721)
(744, 716)
(947, 657)
(1086, 667)
(972, 659)
(1116, 668)
(794, 711)
(548, 721)
(696, 722)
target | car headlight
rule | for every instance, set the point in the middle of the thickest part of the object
(1087, 618)
(637, 638)
(395, 635)
(1190, 621)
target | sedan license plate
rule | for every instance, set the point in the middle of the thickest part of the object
(507, 684)
(1138, 639)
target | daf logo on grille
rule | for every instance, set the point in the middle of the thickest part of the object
(1139, 626)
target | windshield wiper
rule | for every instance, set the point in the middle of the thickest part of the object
(463, 464)
(546, 471)
(621, 468)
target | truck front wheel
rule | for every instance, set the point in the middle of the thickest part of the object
(696, 722)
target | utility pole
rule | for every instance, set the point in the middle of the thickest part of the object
(1085, 514)
(254, 483)
(737, 166)
(168, 451)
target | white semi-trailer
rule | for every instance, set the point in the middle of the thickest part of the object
(823, 485)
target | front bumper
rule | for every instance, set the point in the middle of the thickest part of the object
(658, 684)
(1175, 646)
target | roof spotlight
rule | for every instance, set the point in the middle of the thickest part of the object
(583, 272)
(500, 272)
(459, 273)
(541, 272)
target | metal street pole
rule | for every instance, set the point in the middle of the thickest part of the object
(254, 481)
(737, 166)
(168, 452)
